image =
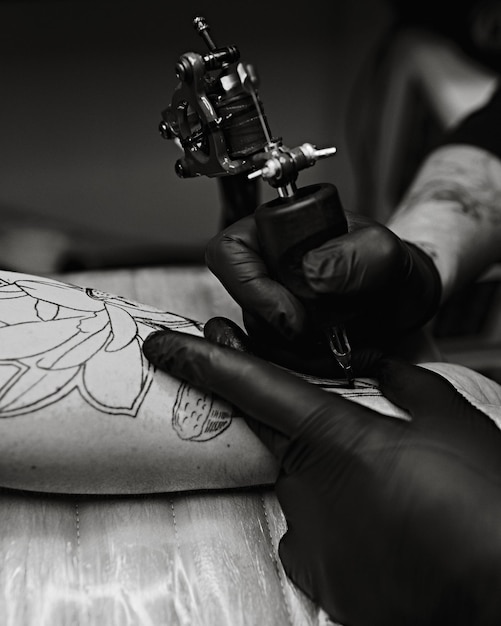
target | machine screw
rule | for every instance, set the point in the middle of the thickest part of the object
(165, 131)
(202, 29)
(179, 169)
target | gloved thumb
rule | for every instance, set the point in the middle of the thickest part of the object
(225, 332)
(427, 395)
(440, 409)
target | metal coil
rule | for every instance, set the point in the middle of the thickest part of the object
(241, 126)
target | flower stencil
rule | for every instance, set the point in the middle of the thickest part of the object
(55, 338)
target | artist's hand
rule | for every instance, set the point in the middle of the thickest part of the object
(380, 285)
(390, 522)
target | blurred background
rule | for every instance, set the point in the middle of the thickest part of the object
(83, 86)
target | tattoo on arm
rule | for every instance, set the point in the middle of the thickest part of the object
(466, 177)
(58, 339)
(453, 212)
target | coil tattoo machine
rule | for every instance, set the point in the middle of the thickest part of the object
(218, 118)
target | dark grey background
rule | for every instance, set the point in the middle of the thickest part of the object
(83, 85)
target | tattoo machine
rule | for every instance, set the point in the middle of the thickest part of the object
(217, 117)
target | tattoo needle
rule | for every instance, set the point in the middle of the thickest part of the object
(341, 349)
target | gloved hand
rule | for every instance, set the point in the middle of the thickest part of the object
(381, 286)
(390, 522)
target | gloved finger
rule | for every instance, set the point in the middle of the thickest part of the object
(225, 332)
(234, 256)
(261, 390)
(361, 262)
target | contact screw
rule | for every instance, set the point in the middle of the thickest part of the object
(202, 29)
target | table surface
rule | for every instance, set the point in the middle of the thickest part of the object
(207, 558)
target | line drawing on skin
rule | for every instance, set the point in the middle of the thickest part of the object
(55, 338)
(363, 387)
(194, 416)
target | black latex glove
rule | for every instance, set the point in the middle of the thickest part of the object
(390, 522)
(381, 286)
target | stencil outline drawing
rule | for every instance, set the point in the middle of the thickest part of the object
(55, 338)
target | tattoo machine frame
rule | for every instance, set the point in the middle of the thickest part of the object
(217, 117)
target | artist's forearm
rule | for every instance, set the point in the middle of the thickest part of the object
(453, 211)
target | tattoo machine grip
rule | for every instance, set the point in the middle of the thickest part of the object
(288, 227)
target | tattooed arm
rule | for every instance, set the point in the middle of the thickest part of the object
(82, 411)
(453, 212)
